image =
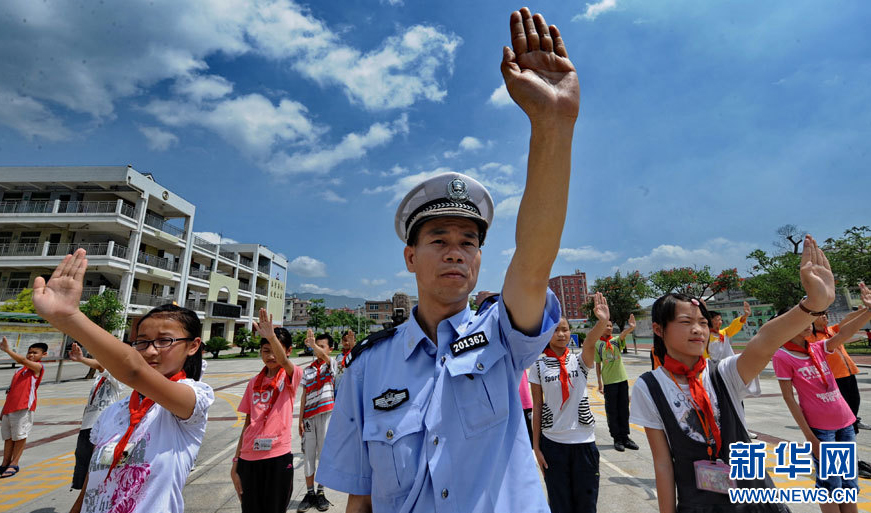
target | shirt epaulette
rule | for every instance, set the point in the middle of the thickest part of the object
(368, 342)
(487, 303)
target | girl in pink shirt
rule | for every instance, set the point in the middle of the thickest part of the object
(821, 412)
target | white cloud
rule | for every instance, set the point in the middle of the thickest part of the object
(214, 238)
(719, 253)
(393, 2)
(396, 170)
(594, 10)
(508, 207)
(587, 253)
(158, 139)
(374, 282)
(316, 289)
(502, 168)
(509, 252)
(467, 144)
(308, 267)
(404, 274)
(199, 88)
(30, 118)
(500, 97)
(332, 197)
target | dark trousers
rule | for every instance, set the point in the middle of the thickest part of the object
(849, 388)
(84, 450)
(527, 415)
(266, 484)
(617, 409)
(571, 476)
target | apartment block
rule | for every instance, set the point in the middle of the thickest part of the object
(571, 290)
(140, 242)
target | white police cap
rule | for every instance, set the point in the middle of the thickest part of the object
(445, 195)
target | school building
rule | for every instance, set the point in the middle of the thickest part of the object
(140, 241)
(571, 290)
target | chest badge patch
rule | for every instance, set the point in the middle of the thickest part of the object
(390, 399)
(473, 341)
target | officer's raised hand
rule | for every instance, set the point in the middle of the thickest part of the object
(538, 73)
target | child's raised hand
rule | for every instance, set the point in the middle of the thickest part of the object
(310, 338)
(76, 352)
(4, 345)
(865, 294)
(600, 307)
(632, 321)
(816, 276)
(59, 298)
(264, 328)
(746, 309)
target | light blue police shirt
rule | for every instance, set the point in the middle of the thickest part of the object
(423, 427)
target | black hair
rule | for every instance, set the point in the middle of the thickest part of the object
(415, 231)
(346, 333)
(39, 345)
(283, 336)
(193, 364)
(715, 313)
(663, 312)
(325, 336)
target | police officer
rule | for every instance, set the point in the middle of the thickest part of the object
(428, 417)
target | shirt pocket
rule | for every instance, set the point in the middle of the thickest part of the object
(480, 385)
(394, 440)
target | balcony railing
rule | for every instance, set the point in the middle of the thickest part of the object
(229, 255)
(119, 251)
(87, 207)
(156, 261)
(25, 207)
(261, 290)
(87, 292)
(263, 268)
(7, 294)
(128, 210)
(161, 224)
(92, 249)
(21, 249)
(202, 274)
(197, 305)
(138, 298)
(247, 262)
(204, 244)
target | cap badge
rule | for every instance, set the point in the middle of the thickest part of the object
(457, 190)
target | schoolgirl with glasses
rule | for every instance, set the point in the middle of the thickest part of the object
(145, 445)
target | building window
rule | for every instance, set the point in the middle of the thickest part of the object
(29, 237)
(19, 280)
(373, 316)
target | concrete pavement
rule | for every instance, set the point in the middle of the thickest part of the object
(626, 483)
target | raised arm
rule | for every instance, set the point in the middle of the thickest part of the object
(819, 284)
(630, 327)
(58, 302)
(542, 81)
(266, 330)
(603, 313)
(320, 354)
(76, 355)
(33, 366)
(852, 323)
(735, 326)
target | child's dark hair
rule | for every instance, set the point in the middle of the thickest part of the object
(283, 336)
(663, 312)
(325, 336)
(39, 345)
(715, 313)
(193, 365)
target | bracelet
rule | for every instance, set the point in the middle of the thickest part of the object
(235, 459)
(807, 310)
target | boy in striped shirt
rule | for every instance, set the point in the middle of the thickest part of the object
(315, 409)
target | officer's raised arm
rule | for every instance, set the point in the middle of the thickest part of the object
(542, 81)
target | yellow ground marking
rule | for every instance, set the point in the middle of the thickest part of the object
(233, 400)
(36, 480)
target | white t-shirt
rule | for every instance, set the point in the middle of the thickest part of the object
(100, 398)
(572, 422)
(720, 350)
(162, 450)
(644, 413)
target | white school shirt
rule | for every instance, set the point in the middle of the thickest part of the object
(162, 451)
(571, 422)
(100, 398)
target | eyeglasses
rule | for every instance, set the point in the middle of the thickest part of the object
(159, 343)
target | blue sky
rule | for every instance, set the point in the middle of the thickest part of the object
(704, 125)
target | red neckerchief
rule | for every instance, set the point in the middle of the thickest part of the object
(344, 359)
(792, 346)
(345, 353)
(317, 364)
(563, 371)
(94, 393)
(699, 395)
(607, 341)
(138, 409)
(271, 384)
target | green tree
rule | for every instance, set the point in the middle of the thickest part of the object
(253, 342)
(622, 293)
(775, 278)
(693, 282)
(105, 310)
(850, 256)
(23, 303)
(217, 344)
(317, 313)
(242, 338)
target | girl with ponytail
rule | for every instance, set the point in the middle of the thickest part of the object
(146, 444)
(692, 412)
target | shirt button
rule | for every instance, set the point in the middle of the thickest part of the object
(390, 434)
(435, 441)
(443, 359)
(445, 493)
(480, 366)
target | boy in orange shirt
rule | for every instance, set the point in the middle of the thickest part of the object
(16, 419)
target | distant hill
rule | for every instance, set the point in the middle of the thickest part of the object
(331, 301)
